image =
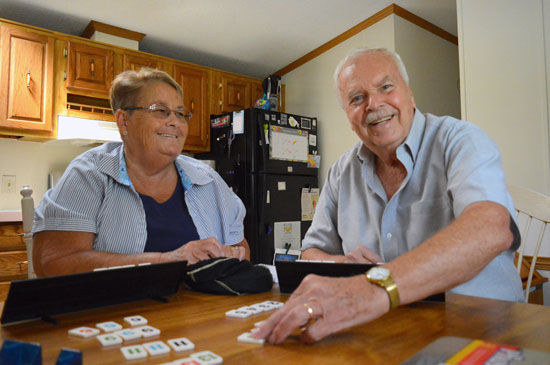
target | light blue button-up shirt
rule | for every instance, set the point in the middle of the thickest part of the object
(450, 164)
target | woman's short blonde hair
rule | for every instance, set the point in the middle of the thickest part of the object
(127, 86)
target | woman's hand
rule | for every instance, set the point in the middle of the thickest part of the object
(195, 251)
(235, 251)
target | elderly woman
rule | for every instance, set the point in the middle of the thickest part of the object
(138, 201)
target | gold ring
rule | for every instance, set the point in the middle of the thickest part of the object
(309, 311)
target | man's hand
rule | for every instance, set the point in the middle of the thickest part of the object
(363, 255)
(336, 303)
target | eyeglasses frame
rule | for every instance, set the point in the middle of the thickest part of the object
(151, 108)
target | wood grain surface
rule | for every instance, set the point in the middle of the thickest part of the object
(10, 239)
(201, 317)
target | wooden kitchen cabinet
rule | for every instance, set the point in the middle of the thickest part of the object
(133, 61)
(194, 82)
(13, 256)
(68, 75)
(90, 69)
(256, 92)
(26, 79)
(230, 92)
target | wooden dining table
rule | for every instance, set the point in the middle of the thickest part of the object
(201, 318)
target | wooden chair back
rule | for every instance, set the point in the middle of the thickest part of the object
(27, 210)
(535, 206)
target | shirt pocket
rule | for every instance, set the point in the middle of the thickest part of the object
(425, 218)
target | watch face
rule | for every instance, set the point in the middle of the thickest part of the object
(379, 273)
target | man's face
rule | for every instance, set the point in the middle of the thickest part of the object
(378, 102)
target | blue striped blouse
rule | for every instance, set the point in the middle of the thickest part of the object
(96, 195)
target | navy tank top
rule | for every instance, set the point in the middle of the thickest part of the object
(169, 225)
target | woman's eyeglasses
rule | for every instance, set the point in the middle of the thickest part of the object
(163, 112)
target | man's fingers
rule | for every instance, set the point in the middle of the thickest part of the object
(265, 329)
(316, 331)
(296, 318)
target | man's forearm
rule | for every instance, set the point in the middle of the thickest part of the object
(455, 254)
(317, 254)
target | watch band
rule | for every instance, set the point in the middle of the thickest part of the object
(388, 284)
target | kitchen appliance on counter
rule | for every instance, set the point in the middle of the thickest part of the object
(270, 161)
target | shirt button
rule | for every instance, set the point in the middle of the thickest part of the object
(388, 236)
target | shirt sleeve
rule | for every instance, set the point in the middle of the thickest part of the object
(235, 220)
(474, 169)
(216, 210)
(74, 203)
(323, 233)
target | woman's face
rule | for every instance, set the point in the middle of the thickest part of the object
(148, 133)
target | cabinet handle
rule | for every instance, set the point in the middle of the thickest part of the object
(192, 106)
(21, 263)
(92, 67)
(238, 96)
(29, 79)
(220, 85)
(220, 103)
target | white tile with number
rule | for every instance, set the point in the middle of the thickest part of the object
(181, 344)
(133, 352)
(207, 358)
(156, 348)
(136, 320)
(84, 332)
(109, 326)
(147, 331)
(128, 334)
(109, 339)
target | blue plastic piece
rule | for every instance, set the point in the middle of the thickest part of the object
(20, 353)
(69, 357)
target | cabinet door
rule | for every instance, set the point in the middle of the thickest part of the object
(135, 62)
(194, 83)
(256, 92)
(236, 93)
(26, 80)
(90, 68)
(230, 92)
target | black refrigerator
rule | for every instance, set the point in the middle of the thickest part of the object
(269, 159)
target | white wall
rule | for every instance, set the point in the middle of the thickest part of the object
(503, 74)
(504, 58)
(31, 162)
(432, 64)
(310, 91)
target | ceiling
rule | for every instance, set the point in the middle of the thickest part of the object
(248, 37)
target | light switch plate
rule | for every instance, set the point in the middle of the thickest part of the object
(8, 184)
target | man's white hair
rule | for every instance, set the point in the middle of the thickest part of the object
(356, 53)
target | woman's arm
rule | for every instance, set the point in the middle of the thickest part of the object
(66, 252)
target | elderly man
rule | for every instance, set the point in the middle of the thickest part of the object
(425, 195)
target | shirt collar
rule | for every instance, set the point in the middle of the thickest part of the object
(193, 176)
(415, 134)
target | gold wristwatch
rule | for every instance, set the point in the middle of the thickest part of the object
(382, 277)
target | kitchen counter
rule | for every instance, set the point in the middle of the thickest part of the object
(11, 216)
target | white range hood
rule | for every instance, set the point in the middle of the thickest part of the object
(82, 132)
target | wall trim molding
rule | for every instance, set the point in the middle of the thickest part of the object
(387, 11)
